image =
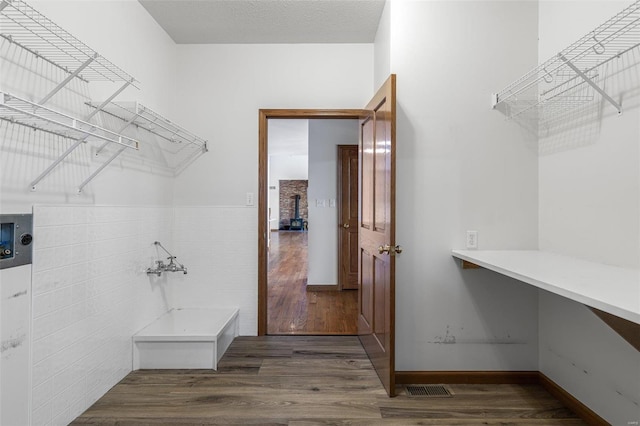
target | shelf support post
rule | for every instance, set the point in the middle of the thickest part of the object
(68, 79)
(590, 82)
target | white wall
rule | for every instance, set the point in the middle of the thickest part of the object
(90, 294)
(461, 167)
(589, 183)
(382, 48)
(125, 34)
(284, 167)
(589, 173)
(324, 137)
(218, 246)
(225, 86)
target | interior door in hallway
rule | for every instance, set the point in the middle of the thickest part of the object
(348, 217)
(377, 245)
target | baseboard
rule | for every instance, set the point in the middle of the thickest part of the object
(499, 378)
(467, 377)
(322, 287)
(569, 401)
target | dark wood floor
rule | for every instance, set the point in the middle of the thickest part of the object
(308, 380)
(294, 310)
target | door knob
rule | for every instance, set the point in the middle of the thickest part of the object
(390, 250)
(384, 249)
(346, 225)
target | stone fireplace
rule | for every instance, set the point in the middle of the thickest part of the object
(289, 189)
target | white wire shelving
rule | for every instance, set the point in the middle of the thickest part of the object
(178, 146)
(39, 117)
(27, 28)
(21, 111)
(572, 77)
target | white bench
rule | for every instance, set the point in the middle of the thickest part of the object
(185, 339)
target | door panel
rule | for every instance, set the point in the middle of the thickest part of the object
(367, 155)
(366, 292)
(376, 323)
(382, 162)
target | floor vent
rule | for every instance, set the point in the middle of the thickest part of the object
(428, 391)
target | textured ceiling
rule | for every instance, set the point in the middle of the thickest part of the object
(267, 21)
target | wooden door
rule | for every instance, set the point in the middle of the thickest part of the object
(377, 249)
(348, 217)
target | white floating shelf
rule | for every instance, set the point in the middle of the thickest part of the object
(608, 288)
(572, 77)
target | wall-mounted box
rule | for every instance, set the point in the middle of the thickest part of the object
(16, 238)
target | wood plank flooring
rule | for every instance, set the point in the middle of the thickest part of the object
(308, 380)
(294, 310)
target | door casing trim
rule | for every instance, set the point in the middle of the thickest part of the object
(263, 187)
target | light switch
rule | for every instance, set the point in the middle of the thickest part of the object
(320, 203)
(332, 202)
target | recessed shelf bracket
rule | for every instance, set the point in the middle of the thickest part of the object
(590, 82)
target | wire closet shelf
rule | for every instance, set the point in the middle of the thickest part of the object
(21, 111)
(149, 120)
(557, 85)
(178, 145)
(26, 27)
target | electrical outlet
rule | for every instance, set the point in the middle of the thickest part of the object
(472, 239)
(249, 198)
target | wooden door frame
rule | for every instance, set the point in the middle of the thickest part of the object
(263, 188)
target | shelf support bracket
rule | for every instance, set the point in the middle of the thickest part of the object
(68, 79)
(64, 155)
(105, 103)
(53, 165)
(3, 4)
(122, 129)
(115, 154)
(99, 169)
(590, 82)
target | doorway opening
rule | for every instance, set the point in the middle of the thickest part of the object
(297, 293)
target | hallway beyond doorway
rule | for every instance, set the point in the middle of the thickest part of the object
(294, 310)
